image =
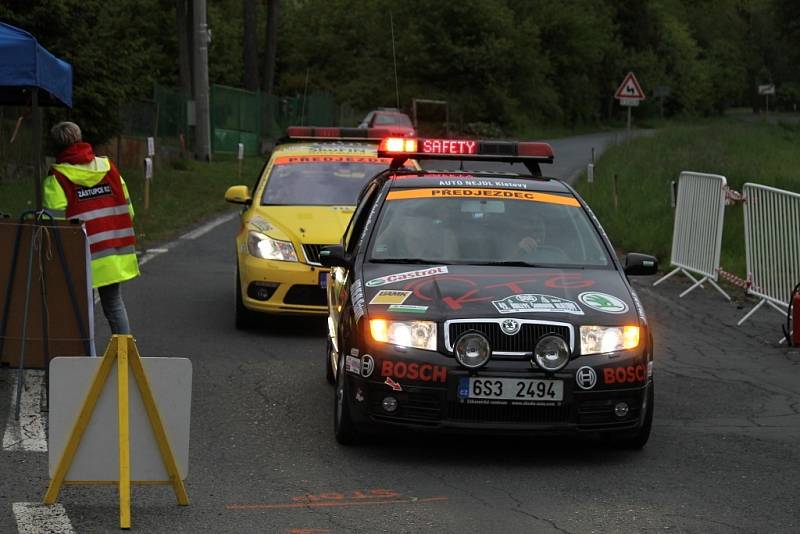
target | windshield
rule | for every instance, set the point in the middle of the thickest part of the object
(486, 226)
(384, 119)
(319, 180)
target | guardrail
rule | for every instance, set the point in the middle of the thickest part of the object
(772, 245)
(697, 234)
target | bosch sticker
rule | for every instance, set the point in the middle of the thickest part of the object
(625, 375)
(424, 372)
(366, 365)
(390, 297)
(531, 303)
(408, 275)
(603, 302)
(585, 377)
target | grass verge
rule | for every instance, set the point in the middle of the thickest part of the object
(180, 195)
(645, 167)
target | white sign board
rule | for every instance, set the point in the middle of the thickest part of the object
(97, 457)
(151, 147)
(240, 155)
(628, 102)
(148, 168)
(766, 89)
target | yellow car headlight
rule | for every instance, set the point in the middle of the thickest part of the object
(412, 334)
(263, 246)
(599, 339)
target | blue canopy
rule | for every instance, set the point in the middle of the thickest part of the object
(25, 64)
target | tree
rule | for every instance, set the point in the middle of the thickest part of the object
(250, 45)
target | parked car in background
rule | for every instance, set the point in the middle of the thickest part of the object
(389, 117)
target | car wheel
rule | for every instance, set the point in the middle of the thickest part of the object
(639, 440)
(343, 427)
(244, 318)
(329, 376)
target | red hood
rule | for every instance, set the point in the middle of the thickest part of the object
(76, 154)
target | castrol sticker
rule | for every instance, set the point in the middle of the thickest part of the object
(409, 275)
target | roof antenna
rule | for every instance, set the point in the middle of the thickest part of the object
(394, 60)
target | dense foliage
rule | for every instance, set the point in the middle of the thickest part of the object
(508, 62)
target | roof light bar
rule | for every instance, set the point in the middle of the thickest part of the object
(529, 153)
(324, 133)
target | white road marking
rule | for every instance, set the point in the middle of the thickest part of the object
(38, 518)
(28, 433)
(197, 232)
(151, 253)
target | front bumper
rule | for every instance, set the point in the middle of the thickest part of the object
(439, 407)
(283, 287)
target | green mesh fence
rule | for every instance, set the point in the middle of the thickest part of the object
(279, 112)
(235, 118)
(173, 121)
(239, 116)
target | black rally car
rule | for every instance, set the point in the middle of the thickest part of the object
(484, 301)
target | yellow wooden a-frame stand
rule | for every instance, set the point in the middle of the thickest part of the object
(123, 350)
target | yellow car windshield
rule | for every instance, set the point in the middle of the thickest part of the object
(308, 181)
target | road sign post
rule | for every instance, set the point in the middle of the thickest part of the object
(767, 90)
(629, 93)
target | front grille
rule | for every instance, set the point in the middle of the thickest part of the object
(312, 253)
(522, 342)
(306, 295)
(506, 413)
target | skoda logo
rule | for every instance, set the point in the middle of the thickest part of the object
(510, 327)
(585, 377)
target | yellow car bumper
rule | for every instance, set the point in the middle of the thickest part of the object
(284, 287)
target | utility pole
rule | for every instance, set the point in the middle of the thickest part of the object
(201, 103)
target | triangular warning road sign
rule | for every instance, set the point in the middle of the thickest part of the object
(630, 88)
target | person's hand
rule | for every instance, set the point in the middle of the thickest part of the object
(527, 244)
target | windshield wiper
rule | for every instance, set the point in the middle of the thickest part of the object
(518, 263)
(510, 263)
(408, 260)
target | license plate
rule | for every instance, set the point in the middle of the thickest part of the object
(519, 389)
(323, 280)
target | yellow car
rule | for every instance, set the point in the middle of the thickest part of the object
(302, 201)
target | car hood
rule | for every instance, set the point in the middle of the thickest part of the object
(441, 292)
(322, 225)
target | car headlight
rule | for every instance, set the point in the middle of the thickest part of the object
(551, 353)
(413, 334)
(472, 350)
(263, 246)
(598, 339)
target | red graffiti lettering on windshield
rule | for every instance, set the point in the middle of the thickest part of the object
(469, 288)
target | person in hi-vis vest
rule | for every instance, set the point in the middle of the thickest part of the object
(87, 187)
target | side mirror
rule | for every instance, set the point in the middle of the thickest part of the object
(637, 264)
(238, 194)
(334, 256)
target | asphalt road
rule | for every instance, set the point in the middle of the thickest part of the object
(723, 456)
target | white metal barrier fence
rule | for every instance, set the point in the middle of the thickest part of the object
(772, 244)
(697, 235)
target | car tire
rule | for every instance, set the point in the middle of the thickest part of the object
(245, 318)
(329, 376)
(343, 427)
(639, 440)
